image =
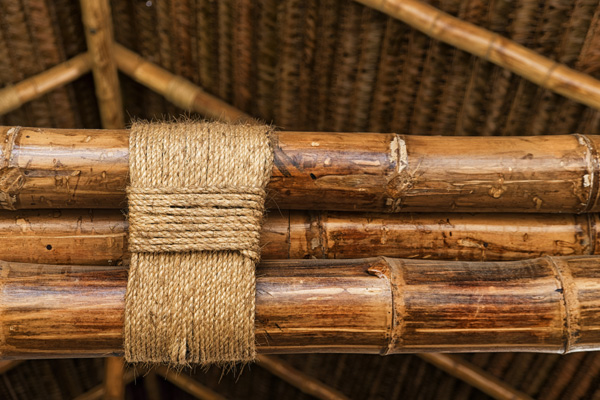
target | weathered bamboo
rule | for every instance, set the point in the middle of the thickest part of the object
(474, 376)
(99, 36)
(306, 383)
(14, 96)
(99, 237)
(175, 89)
(52, 168)
(494, 48)
(378, 305)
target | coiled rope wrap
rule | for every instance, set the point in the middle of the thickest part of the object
(196, 202)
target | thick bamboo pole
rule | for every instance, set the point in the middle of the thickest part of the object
(99, 36)
(474, 376)
(494, 48)
(53, 168)
(378, 305)
(14, 96)
(99, 237)
(175, 89)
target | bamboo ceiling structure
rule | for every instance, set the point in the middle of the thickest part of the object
(304, 105)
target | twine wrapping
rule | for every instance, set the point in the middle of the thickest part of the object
(196, 203)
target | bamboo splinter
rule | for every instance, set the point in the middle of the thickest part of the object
(53, 168)
(377, 305)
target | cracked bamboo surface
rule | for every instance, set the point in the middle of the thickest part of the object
(52, 168)
(378, 305)
(99, 237)
(494, 48)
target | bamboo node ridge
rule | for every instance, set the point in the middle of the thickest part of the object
(196, 202)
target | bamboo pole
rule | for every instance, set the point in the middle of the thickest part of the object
(305, 383)
(377, 306)
(98, 392)
(97, 21)
(53, 168)
(99, 237)
(175, 89)
(474, 376)
(189, 384)
(14, 96)
(494, 48)
(99, 36)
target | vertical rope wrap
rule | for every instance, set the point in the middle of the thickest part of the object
(196, 203)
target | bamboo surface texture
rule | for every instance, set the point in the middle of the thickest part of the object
(176, 89)
(53, 168)
(99, 237)
(378, 305)
(14, 96)
(494, 48)
(98, 29)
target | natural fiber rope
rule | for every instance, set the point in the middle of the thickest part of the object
(196, 202)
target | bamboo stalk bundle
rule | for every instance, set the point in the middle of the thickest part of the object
(494, 48)
(53, 168)
(378, 305)
(14, 96)
(99, 237)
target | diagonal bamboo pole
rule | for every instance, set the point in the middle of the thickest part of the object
(305, 383)
(377, 306)
(494, 48)
(188, 384)
(176, 89)
(14, 96)
(474, 376)
(54, 168)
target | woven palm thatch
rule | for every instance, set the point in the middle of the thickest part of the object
(329, 65)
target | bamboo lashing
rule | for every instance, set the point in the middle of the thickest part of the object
(53, 168)
(99, 237)
(176, 89)
(377, 306)
(494, 48)
(14, 96)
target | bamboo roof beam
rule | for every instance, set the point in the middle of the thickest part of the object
(188, 384)
(14, 96)
(494, 48)
(175, 89)
(474, 376)
(78, 168)
(98, 29)
(305, 383)
(376, 306)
